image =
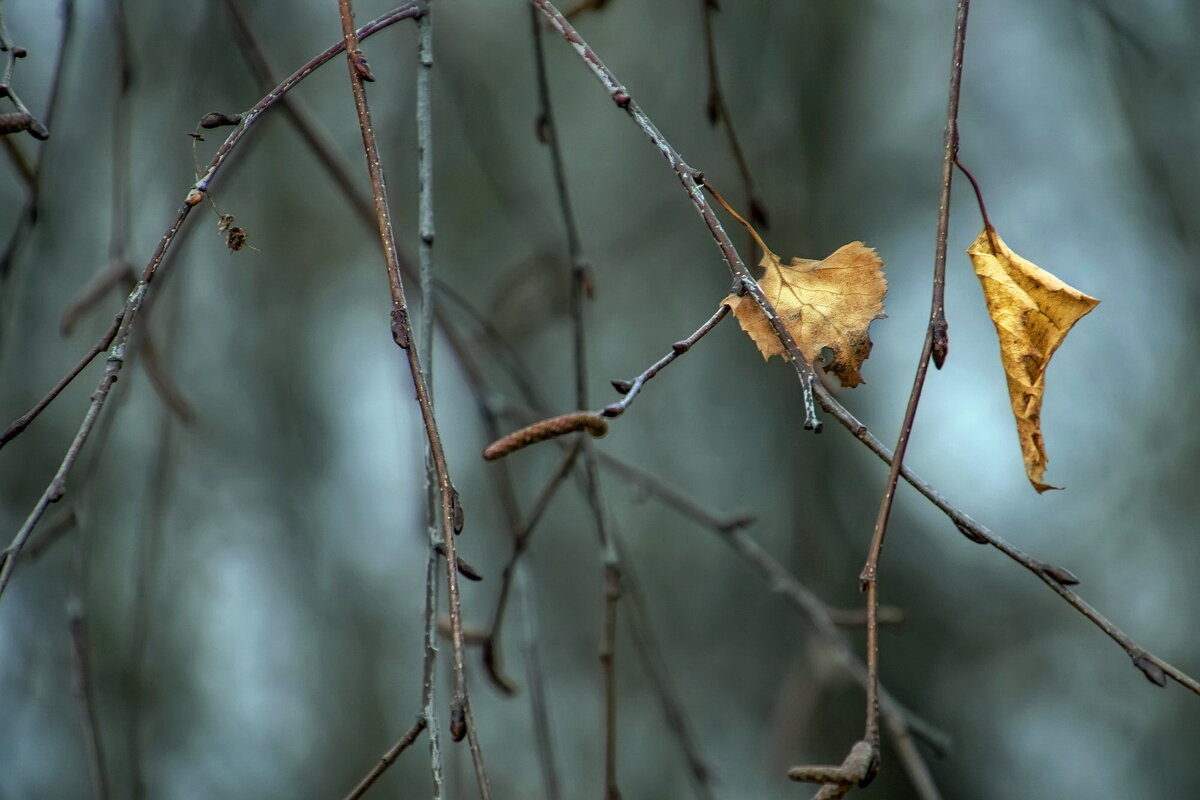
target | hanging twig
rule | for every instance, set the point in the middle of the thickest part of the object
(461, 722)
(718, 114)
(935, 347)
(692, 181)
(31, 174)
(581, 289)
(116, 340)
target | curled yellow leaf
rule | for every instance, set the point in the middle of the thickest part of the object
(826, 303)
(1033, 311)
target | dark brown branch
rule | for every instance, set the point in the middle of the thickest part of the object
(460, 716)
(935, 347)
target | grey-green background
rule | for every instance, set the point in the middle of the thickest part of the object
(284, 608)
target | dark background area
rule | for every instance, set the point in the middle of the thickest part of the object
(278, 540)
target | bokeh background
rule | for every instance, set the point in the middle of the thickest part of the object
(252, 582)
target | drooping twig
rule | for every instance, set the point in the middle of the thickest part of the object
(700, 774)
(1153, 667)
(581, 289)
(11, 53)
(691, 180)
(460, 715)
(29, 211)
(1057, 578)
(116, 341)
(520, 541)
(82, 684)
(935, 347)
(631, 388)
(542, 733)
(594, 421)
(718, 114)
(389, 758)
(21, 423)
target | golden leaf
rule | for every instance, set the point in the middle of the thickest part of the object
(828, 303)
(1033, 311)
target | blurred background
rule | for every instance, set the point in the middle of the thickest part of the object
(243, 538)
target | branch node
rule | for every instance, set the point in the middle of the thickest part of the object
(458, 720)
(400, 327)
(216, 119)
(1149, 667)
(1060, 575)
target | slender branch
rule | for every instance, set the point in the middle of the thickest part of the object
(581, 289)
(718, 114)
(82, 685)
(424, 352)
(594, 421)
(542, 732)
(389, 758)
(359, 70)
(935, 346)
(34, 126)
(521, 536)
(21, 423)
(631, 388)
(1057, 578)
(31, 174)
(117, 342)
(700, 774)
(692, 181)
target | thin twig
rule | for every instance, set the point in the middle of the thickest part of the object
(119, 338)
(700, 774)
(935, 346)
(692, 180)
(581, 289)
(82, 685)
(388, 758)
(521, 536)
(460, 716)
(718, 114)
(424, 353)
(1154, 668)
(542, 732)
(35, 127)
(29, 211)
(631, 388)
(21, 423)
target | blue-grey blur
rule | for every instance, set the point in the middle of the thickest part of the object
(252, 583)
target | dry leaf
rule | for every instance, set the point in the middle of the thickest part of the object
(1032, 311)
(828, 303)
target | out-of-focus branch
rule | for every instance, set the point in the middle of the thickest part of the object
(117, 338)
